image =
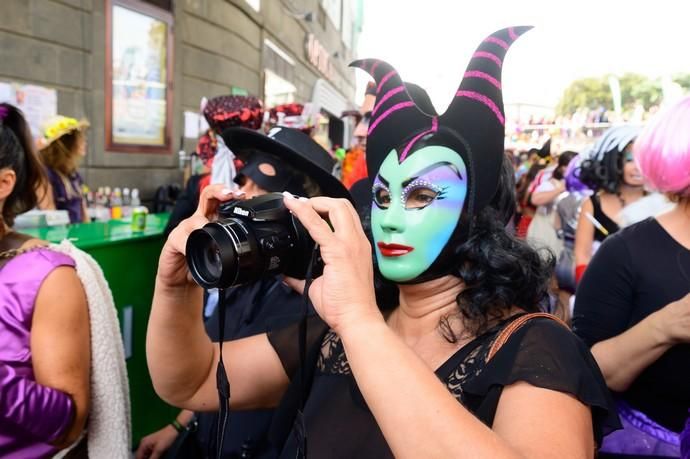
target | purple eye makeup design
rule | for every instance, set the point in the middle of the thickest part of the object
(420, 193)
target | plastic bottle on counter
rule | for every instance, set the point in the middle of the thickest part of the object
(135, 201)
(91, 205)
(102, 210)
(98, 198)
(126, 203)
(116, 204)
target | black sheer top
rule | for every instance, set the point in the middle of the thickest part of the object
(340, 425)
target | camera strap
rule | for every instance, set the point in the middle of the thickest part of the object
(300, 424)
(222, 383)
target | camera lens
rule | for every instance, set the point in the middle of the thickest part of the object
(258, 238)
(211, 260)
(212, 255)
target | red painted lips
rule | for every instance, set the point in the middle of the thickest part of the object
(394, 250)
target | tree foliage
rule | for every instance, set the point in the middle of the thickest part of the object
(595, 92)
(683, 79)
(638, 89)
(588, 93)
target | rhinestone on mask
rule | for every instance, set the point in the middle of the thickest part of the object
(418, 184)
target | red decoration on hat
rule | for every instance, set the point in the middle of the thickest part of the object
(288, 109)
(206, 147)
(289, 115)
(223, 112)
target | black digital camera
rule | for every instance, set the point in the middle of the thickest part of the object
(251, 239)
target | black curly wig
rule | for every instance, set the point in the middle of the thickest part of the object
(604, 173)
(499, 270)
(602, 168)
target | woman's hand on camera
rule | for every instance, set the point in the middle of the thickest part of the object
(344, 294)
(172, 266)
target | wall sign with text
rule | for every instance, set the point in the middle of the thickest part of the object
(319, 56)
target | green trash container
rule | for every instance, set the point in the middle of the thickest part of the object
(129, 261)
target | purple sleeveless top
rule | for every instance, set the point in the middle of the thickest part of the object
(31, 415)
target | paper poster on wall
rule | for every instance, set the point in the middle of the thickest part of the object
(191, 125)
(6, 92)
(38, 103)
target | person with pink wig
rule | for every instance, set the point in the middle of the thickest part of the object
(633, 304)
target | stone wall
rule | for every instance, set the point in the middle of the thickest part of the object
(217, 45)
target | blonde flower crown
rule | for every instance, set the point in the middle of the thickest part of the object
(59, 126)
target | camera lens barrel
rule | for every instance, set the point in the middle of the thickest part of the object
(219, 253)
(258, 238)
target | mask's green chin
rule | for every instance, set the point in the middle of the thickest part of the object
(397, 270)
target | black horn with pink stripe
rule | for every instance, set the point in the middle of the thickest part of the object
(475, 115)
(394, 112)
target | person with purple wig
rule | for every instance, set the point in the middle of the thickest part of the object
(567, 211)
(633, 303)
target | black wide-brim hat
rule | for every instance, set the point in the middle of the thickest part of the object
(297, 149)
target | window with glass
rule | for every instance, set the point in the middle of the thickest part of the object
(348, 26)
(277, 90)
(333, 9)
(255, 4)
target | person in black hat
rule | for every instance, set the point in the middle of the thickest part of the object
(284, 160)
(221, 113)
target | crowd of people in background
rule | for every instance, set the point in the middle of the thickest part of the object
(475, 301)
(585, 116)
(577, 127)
